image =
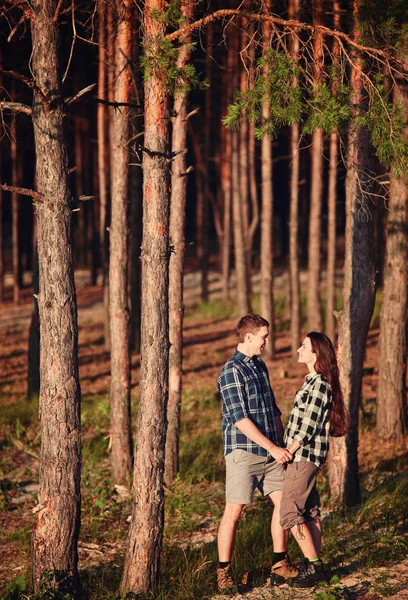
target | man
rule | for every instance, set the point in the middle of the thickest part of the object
(252, 436)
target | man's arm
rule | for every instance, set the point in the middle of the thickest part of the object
(248, 428)
(279, 429)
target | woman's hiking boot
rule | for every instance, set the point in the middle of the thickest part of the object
(225, 580)
(283, 572)
(310, 575)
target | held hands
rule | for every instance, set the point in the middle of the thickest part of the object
(281, 455)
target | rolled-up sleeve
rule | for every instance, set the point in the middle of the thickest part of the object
(316, 407)
(232, 390)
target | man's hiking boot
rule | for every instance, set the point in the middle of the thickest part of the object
(310, 575)
(225, 580)
(283, 572)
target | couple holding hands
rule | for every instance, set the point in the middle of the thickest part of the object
(282, 465)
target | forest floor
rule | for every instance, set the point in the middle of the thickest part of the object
(366, 547)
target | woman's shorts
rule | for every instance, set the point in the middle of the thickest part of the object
(300, 498)
(247, 471)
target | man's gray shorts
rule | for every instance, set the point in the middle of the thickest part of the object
(247, 471)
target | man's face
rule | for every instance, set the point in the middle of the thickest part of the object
(258, 340)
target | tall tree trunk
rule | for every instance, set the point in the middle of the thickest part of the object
(391, 392)
(176, 306)
(81, 250)
(226, 190)
(146, 530)
(1, 219)
(33, 378)
(110, 57)
(359, 296)
(136, 204)
(241, 271)
(294, 280)
(267, 300)
(15, 214)
(332, 198)
(57, 518)
(314, 318)
(120, 424)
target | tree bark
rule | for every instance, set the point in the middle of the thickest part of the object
(359, 296)
(294, 280)
(146, 530)
(316, 192)
(120, 423)
(177, 225)
(33, 378)
(15, 214)
(57, 518)
(391, 392)
(266, 252)
(332, 199)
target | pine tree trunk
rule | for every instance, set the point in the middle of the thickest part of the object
(392, 361)
(136, 216)
(331, 236)
(294, 282)
(359, 296)
(225, 177)
(33, 378)
(141, 568)
(332, 199)
(1, 222)
(120, 424)
(238, 226)
(54, 557)
(226, 191)
(266, 252)
(15, 215)
(176, 306)
(314, 318)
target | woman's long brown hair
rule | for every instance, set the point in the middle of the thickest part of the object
(326, 365)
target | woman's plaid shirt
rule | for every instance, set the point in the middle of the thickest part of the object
(309, 420)
(246, 392)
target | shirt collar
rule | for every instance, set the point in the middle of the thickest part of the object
(242, 357)
(311, 376)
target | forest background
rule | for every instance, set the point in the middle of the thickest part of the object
(205, 144)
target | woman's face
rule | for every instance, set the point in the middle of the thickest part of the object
(306, 354)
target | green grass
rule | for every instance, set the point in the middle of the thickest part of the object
(371, 536)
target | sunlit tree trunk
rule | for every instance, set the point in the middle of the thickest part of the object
(54, 556)
(225, 176)
(120, 424)
(392, 361)
(15, 214)
(141, 568)
(1, 217)
(332, 198)
(136, 203)
(266, 299)
(359, 296)
(176, 305)
(316, 192)
(33, 377)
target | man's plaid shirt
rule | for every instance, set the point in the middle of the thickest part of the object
(246, 392)
(309, 420)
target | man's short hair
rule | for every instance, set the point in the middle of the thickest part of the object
(249, 324)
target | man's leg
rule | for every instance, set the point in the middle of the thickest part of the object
(227, 530)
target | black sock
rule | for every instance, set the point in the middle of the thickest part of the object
(224, 565)
(277, 557)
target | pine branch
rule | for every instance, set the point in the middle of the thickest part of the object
(16, 107)
(31, 84)
(23, 191)
(288, 24)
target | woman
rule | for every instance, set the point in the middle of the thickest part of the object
(318, 412)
